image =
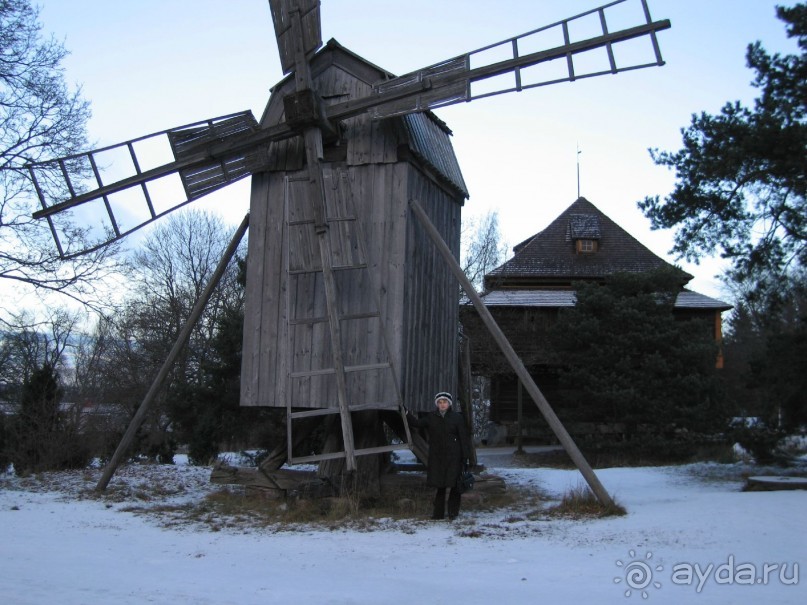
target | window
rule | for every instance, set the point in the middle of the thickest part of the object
(586, 246)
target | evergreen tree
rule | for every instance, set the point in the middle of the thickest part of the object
(626, 358)
(741, 187)
(39, 438)
(766, 346)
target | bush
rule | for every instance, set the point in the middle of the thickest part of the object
(759, 441)
(643, 450)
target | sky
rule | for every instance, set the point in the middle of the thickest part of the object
(691, 535)
(154, 64)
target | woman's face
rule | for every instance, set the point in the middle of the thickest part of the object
(443, 404)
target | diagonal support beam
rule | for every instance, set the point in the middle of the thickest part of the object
(512, 357)
(180, 343)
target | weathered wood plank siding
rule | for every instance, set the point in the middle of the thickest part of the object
(265, 323)
(431, 299)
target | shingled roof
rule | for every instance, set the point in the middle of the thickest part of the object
(550, 256)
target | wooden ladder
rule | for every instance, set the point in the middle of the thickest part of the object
(344, 263)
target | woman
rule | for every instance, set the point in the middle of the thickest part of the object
(449, 450)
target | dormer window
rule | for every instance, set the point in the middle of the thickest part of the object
(586, 246)
(584, 231)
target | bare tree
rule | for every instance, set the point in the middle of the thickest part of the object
(167, 276)
(169, 273)
(40, 118)
(482, 251)
(482, 247)
(31, 343)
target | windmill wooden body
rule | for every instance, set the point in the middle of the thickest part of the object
(356, 198)
(395, 303)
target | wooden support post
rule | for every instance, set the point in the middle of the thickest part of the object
(181, 340)
(512, 357)
(519, 438)
(468, 395)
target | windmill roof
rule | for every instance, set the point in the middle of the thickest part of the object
(430, 142)
(551, 253)
(426, 136)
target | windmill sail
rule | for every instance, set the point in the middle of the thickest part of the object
(310, 34)
(217, 172)
(483, 72)
(133, 183)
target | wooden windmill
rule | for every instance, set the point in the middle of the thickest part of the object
(349, 307)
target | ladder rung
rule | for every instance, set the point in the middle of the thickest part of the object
(316, 412)
(376, 405)
(330, 219)
(362, 452)
(317, 458)
(318, 320)
(326, 371)
(381, 449)
(334, 268)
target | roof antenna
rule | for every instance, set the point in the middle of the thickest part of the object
(578, 170)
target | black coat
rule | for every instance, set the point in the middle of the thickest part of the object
(449, 446)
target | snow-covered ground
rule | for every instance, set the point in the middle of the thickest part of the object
(691, 536)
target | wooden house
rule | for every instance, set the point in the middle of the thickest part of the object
(399, 339)
(525, 294)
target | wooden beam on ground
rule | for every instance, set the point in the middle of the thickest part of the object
(512, 357)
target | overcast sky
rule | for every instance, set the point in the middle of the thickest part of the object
(148, 65)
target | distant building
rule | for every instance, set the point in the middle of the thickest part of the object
(85, 417)
(525, 294)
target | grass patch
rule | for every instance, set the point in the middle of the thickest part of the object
(235, 507)
(580, 503)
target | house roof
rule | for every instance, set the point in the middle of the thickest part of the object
(686, 299)
(551, 255)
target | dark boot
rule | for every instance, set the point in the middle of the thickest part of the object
(454, 503)
(439, 510)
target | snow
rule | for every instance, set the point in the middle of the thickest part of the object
(698, 536)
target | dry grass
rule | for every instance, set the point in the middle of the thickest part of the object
(580, 503)
(233, 506)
